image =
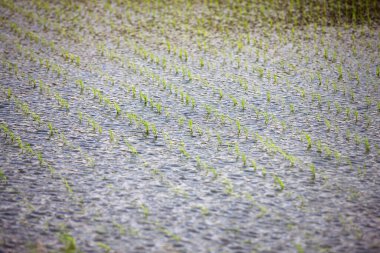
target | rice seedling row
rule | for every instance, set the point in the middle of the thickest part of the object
(206, 167)
(348, 132)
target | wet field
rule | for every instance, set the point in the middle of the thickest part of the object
(189, 126)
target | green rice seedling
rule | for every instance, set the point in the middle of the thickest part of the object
(357, 78)
(67, 185)
(340, 72)
(158, 107)
(204, 210)
(309, 141)
(20, 142)
(337, 155)
(3, 178)
(80, 117)
(112, 136)
(246, 132)
(132, 149)
(268, 96)
(40, 159)
(234, 100)
(239, 45)
(348, 134)
(275, 79)
(104, 246)
(325, 54)
(319, 76)
(219, 139)
(9, 93)
(367, 119)
(279, 182)
(212, 170)
(328, 124)
(368, 101)
(244, 159)
(220, 94)
(77, 60)
(133, 91)
(12, 136)
(228, 186)
(181, 120)
(352, 93)
(357, 139)
(189, 75)
(144, 98)
(348, 113)
(201, 63)
(263, 171)
(299, 248)
(164, 62)
(187, 99)
(238, 125)
(199, 130)
(312, 170)
(51, 130)
(145, 210)
(356, 115)
(378, 71)
(183, 151)
(266, 118)
(243, 104)
(146, 126)
(120, 228)
(32, 82)
(167, 232)
(199, 162)
(154, 130)
(338, 107)
(69, 243)
(319, 98)
(303, 92)
(208, 110)
(117, 108)
(367, 145)
(291, 107)
(168, 45)
(190, 123)
(261, 72)
(193, 103)
(328, 151)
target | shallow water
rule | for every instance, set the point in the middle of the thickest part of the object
(215, 188)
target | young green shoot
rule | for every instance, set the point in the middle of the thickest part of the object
(3, 178)
(104, 246)
(243, 104)
(145, 210)
(118, 109)
(190, 123)
(112, 136)
(366, 145)
(312, 170)
(238, 125)
(279, 182)
(309, 141)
